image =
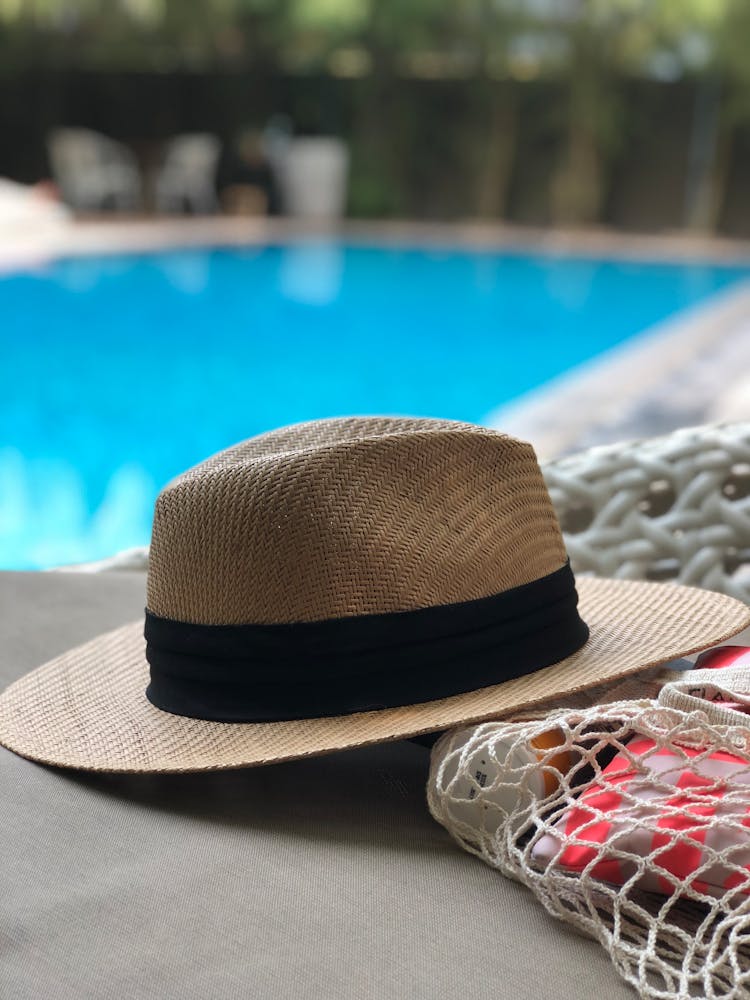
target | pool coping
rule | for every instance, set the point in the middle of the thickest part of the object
(638, 375)
(81, 237)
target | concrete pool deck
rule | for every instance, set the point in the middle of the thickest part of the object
(691, 369)
(110, 234)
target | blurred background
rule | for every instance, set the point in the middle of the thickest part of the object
(630, 113)
(220, 217)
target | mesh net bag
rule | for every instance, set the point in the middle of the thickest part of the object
(629, 820)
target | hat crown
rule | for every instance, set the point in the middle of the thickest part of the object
(351, 517)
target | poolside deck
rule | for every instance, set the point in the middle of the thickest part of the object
(693, 368)
(111, 234)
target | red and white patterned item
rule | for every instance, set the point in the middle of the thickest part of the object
(650, 793)
(724, 656)
(678, 807)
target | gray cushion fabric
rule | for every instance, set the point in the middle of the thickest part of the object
(325, 878)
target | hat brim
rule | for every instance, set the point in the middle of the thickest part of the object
(87, 709)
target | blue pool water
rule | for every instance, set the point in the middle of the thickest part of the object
(119, 372)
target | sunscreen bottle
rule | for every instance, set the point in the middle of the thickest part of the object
(492, 780)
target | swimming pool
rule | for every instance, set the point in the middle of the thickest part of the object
(121, 371)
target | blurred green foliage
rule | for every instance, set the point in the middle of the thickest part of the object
(521, 38)
(587, 47)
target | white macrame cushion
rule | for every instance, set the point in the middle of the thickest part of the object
(670, 508)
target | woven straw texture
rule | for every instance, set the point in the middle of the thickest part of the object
(337, 518)
(627, 820)
(351, 517)
(671, 508)
(87, 708)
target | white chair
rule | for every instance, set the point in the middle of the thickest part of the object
(93, 171)
(187, 176)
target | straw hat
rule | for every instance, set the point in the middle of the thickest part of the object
(345, 582)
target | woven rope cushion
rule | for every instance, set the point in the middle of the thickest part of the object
(675, 507)
(669, 508)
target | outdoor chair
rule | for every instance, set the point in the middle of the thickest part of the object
(187, 177)
(93, 171)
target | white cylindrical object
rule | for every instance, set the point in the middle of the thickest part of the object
(313, 177)
(483, 780)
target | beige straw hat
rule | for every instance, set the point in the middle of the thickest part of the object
(346, 582)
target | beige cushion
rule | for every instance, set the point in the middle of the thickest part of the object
(324, 878)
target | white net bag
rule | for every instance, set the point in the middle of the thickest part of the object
(629, 820)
